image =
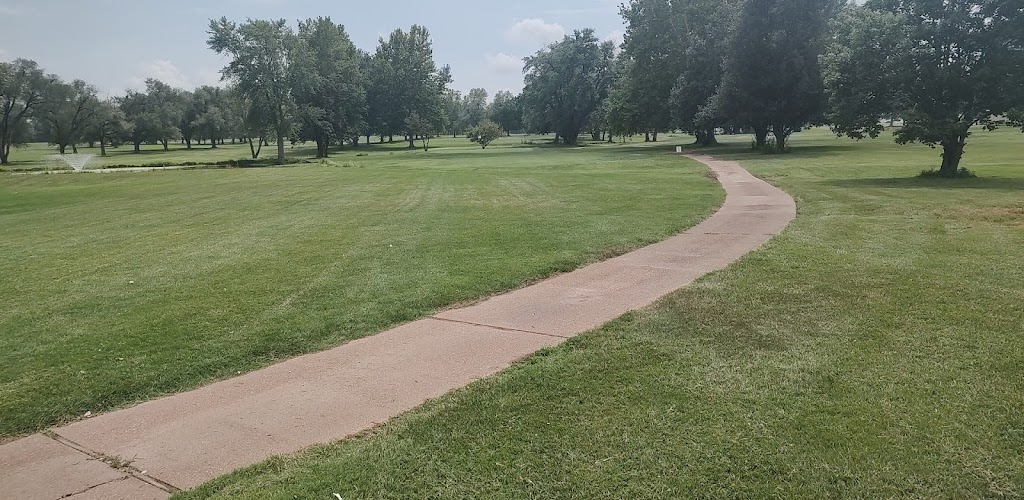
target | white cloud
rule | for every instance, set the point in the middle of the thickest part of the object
(4, 57)
(163, 70)
(534, 32)
(167, 72)
(615, 37)
(208, 76)
(504, 64)
(10, 10)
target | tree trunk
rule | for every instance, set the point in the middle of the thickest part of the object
(103, 145)
(952, 153)
(280, 148)
(74, 148)
(165, 144)
(761, 136)
(137, 144)
(780, 138)
(654, 136)
(188, 143)
(412, 141)
(62, 148)
(5, 151)
(709, 137)
(647, 137)
(255, 150)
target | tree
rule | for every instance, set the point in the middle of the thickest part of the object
(772, 78)
(65, 111)
(507, 111)
(703, 27)
(454, 112)
(566, 82)
(107, 125)
(21, 91)
(943, 67)
(190, 109)
(623, 115)
(164, 107)
(377, 75)
(485, 133)
(141, 123)
(652, 45)
(1016, 118)
(260, 68)
(328, 84)
(420, 127)
(412, 82)
(475, 106)
(213, 113)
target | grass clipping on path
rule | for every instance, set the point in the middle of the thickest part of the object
(873, 350)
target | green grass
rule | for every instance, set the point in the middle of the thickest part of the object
(873, 350)
(125, 286)
(39, 156)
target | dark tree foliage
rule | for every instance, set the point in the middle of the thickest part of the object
(704, 29)
(652, 46)
(21, 91)
(329, 88)
(772, 79)
(942, 67)
(566, 82)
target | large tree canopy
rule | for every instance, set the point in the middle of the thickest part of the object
(66, 110)
(21, 90)
(943, 67)
(329, 87)
(772, 79)
(566, 82)
(261, 53)
(703, 30)
(411, 83)
(652, 45)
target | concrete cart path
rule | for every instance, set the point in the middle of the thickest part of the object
(181, 441)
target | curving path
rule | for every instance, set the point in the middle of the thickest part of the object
(183, 440)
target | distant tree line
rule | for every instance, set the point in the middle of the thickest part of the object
(773, 67)
(764, 67)
(282, 85)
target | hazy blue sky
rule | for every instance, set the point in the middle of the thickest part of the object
(116, 44)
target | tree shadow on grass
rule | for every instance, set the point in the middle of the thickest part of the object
(991, 183)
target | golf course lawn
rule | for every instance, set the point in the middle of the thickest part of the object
(875, 349)
(125, 286)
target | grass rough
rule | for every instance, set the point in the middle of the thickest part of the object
(122, 287)
(872, 350)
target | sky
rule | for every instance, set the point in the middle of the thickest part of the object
(117, 44)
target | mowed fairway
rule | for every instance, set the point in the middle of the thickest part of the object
(873, 350)
(121, 287)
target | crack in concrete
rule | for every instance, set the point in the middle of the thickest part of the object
(127, 469)
(502, 328)
(79, 492)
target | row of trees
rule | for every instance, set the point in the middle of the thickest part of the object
(284, 84)
(767, 67)
(773, 67)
